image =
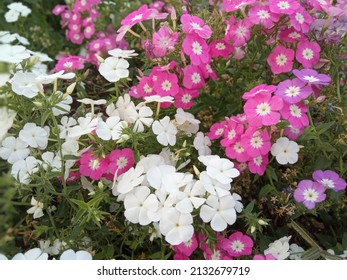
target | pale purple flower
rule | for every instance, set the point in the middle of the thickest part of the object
(293, 91)
(312, 77)
(309, 193)
(329, 179)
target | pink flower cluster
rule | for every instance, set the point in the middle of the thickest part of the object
(80, 20)
(112, 165)
(236, 245)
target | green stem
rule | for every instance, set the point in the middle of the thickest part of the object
(338, 88)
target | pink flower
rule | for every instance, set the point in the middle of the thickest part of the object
(220, 48)
(92, 165)
(164, 41)
(187, 248)
(193, 24)
(295, 114)
(75, 38)
(237, 244)
(281, 60)
(237, 151)
(208, 72)
(256, 142)
(263, 110)
(158, 5)
(58, 9)
(217, 130)
(262, 15)
(286, 7)
(216, 253)
(232, 132)
(259, 90)
(70, 63)
(293, 91)
(146, 87)
(233, 5)
(180, 256)
(301, 20)
(141, 14)
(197, 49)
(263, 258)
(293, 133)
(307, 53)
(184, 98)
(290, 35)
(257, 165)
(193, 77)
(121, 161)
(309, 193)
(238, 32)
(166, 84)
(89, 31)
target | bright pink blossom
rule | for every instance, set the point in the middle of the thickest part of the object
(193, 24)
(70, 63)
(260, 257)
(217, 130)
(290, 35)
(257, 165)
(286, 7)
(166, 84)
(220, 48)
(261, 89)
(238, 244)
(238, 32)
(301, 20)
(293, 133)
(307, 53)
(135, 17)
(92, 166)
(233, 5)
(184, 98)
(164, 40)
(262, 15)
(187, 248)
(197, 49)
(193, 77)
(146, 87)
(232, 131)
(281, 60)
(295, 114)
(237, 151)
(208, 72)
(121, 161)
(256, 142)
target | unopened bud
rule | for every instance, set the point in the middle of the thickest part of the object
(70, 88)
(253, 229)
(196, 171)
(37, 104)
(100, 59)
(262, 222)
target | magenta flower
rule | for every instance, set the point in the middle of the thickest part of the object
(267, 257)
(293, 133)
(217, 130)
(307, 53)
(193, 24)
(197, 49)
(256, 142)
(220, 48)
(260, 89)
(193, 77)
(281, 60)
(232, 132)
(184, 98)
(180, 256)
(237, 151)
(238, 244)
(120, 161)
(286, 7)
(295, 114)
(166, 84)
(158, 5)
(309, 193)
(293, 91)
(233, 5)
(58, 9)
(207, 71)
(216, 253)
(187, 248)
(301, 20)
(290, 35)
(311, 77)
(262, 15)
(70, 63)
(329, 179)
(257, 165)
(263, 110)
(145, 87)
(92, 166)
(164, 41)
(238, 32)
(135, 17)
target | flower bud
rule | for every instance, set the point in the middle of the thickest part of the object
(262, 222)
(70, 88)
(253, 229)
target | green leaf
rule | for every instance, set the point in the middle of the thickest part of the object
(324, 127)
(266, 190)
(249, 207)
(270, 172)
(311, 254)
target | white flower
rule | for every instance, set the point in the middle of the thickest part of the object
(6, 120)
(32, 254)
(129, 180)
(48, 79)
(35, 136)
(22, 169)
(89, 101)
(238, 203)
(13, 54)
(63, 107)
(66, 124)
(202, 143)
(158, 98)
(156, 175)
(24, 84)
(41, 56)
(285, 151)
(213, 186)
(187, 122)
(219, 211)
(20, 8)
(295, 251)
(141, 118)
(14, 149)
(279, 249)
(12, 16)
(113, 69)
(51, 159)
(165, 131)
(176, 227)
(119, 53)
(191, 197)
(3, 257)
(172, 182)
(220, 169)
(85, 125)
(37, 208)
(111, 129)
(72, 255)
(139, 204)
(150, 161)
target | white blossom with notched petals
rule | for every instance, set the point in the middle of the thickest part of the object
(36, 209)
(22, 169)
(111, 129)
(65, 126)
(25, 84)
(202, 144)
(71, 255)
(14, 149)
(279, 249)
(35, 136)
(165, 131)
(113, 69)
(13, 54)
(129, 180)
(32, 254)
(285, 151)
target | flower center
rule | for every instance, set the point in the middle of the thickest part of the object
(292, 91)
(281, 60)
(294, 35)
(68, 64)
(241, 31)
(310, 195)
(238, 148)
(220, 46)
(263, 109)
(256, 142)
(232, 134)
(122, 162)
(300, 18)
(283, 5)
(94, 164)
(219, 131)
(258, 160)
(137, 17)
(196, 78)
(237, 246)
(295, 111)
(147, 88)
(195, 26)
(188, 243)
(263, 14)
(328, 183)
(166, 85)
(310, 79)
(186, 98)
(197, 48)
(307, 53)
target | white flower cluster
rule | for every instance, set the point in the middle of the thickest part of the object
(155, 192)
(38, 254)
(16, 10)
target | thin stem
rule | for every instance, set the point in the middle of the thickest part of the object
(134, 33)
